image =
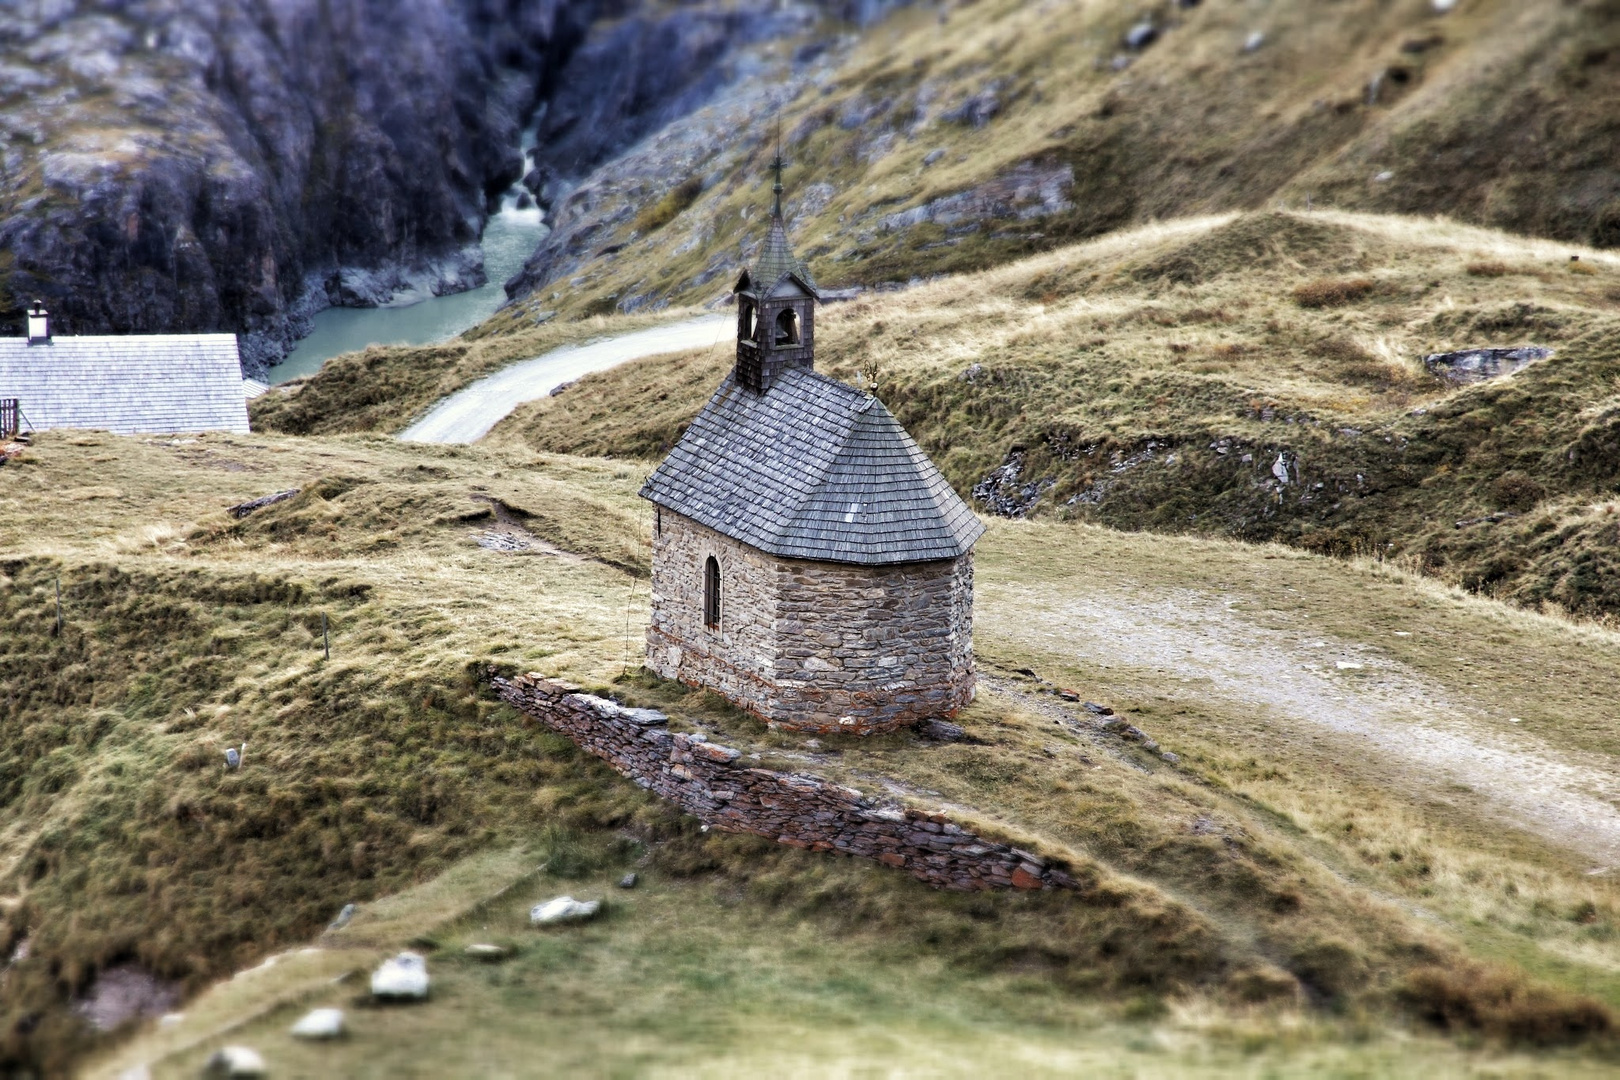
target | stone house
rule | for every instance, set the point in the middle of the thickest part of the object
(810, 564)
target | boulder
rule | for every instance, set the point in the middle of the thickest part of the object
(936, 730)
(629, 881)
(401, 978)
(563, 909)
(319, 1024)
(486, 952)
(234, 1061)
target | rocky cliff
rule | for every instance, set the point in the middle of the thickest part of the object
(170, 165)
(190, 165)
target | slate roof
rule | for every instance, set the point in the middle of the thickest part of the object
(140, 384)
(776, 259)
(812, 469)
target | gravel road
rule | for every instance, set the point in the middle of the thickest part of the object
(1200, 649)
(467, 415)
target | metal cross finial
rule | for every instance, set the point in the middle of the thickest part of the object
(776, 167)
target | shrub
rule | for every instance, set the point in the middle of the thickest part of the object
(1514, 490)
(1488, 269)
(1331, 292)
(1491, 1001)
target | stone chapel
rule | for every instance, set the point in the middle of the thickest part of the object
(810, 564)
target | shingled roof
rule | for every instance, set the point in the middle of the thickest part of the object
(141, 384)
(776, 259)
(812, 469)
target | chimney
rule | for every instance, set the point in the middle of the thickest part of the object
(39, 325)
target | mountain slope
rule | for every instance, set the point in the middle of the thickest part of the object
(959, 136)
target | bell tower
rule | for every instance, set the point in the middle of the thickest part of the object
(776, 306)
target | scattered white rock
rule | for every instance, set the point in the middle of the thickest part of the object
(483, 950)
(1403, 633)
(1384, 177)
(170, 1019)
(320, 1024)
(136, 1072)
(1348, 665)
(1441, 7)
(1514, 720)
(235, 1061)
(402, 976)
(563, 909)
(342, 919)
(1253, 42)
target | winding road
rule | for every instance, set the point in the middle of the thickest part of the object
(468, 415)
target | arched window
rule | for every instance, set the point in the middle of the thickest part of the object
(711, 594)
(745, 321)
(787, 327)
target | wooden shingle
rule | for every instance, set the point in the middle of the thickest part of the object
(813, 469)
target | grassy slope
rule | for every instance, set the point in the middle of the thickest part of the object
(1499, 113)
(187, 632)
(382, 767)
(1123, 367)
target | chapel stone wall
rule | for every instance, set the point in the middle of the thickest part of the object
(813, 646)
(870, 648)
(735, 660)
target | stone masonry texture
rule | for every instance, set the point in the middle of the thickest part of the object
(813, 646)
(716, 784)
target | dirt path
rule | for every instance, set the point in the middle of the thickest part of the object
(1194, 647)
(467, 415)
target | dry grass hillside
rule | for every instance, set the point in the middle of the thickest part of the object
(1151, 379)
(959, 135)
(1267, 902)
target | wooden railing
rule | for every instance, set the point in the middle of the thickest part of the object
(10, 417)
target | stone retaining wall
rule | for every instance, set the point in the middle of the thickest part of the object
(717, 785)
